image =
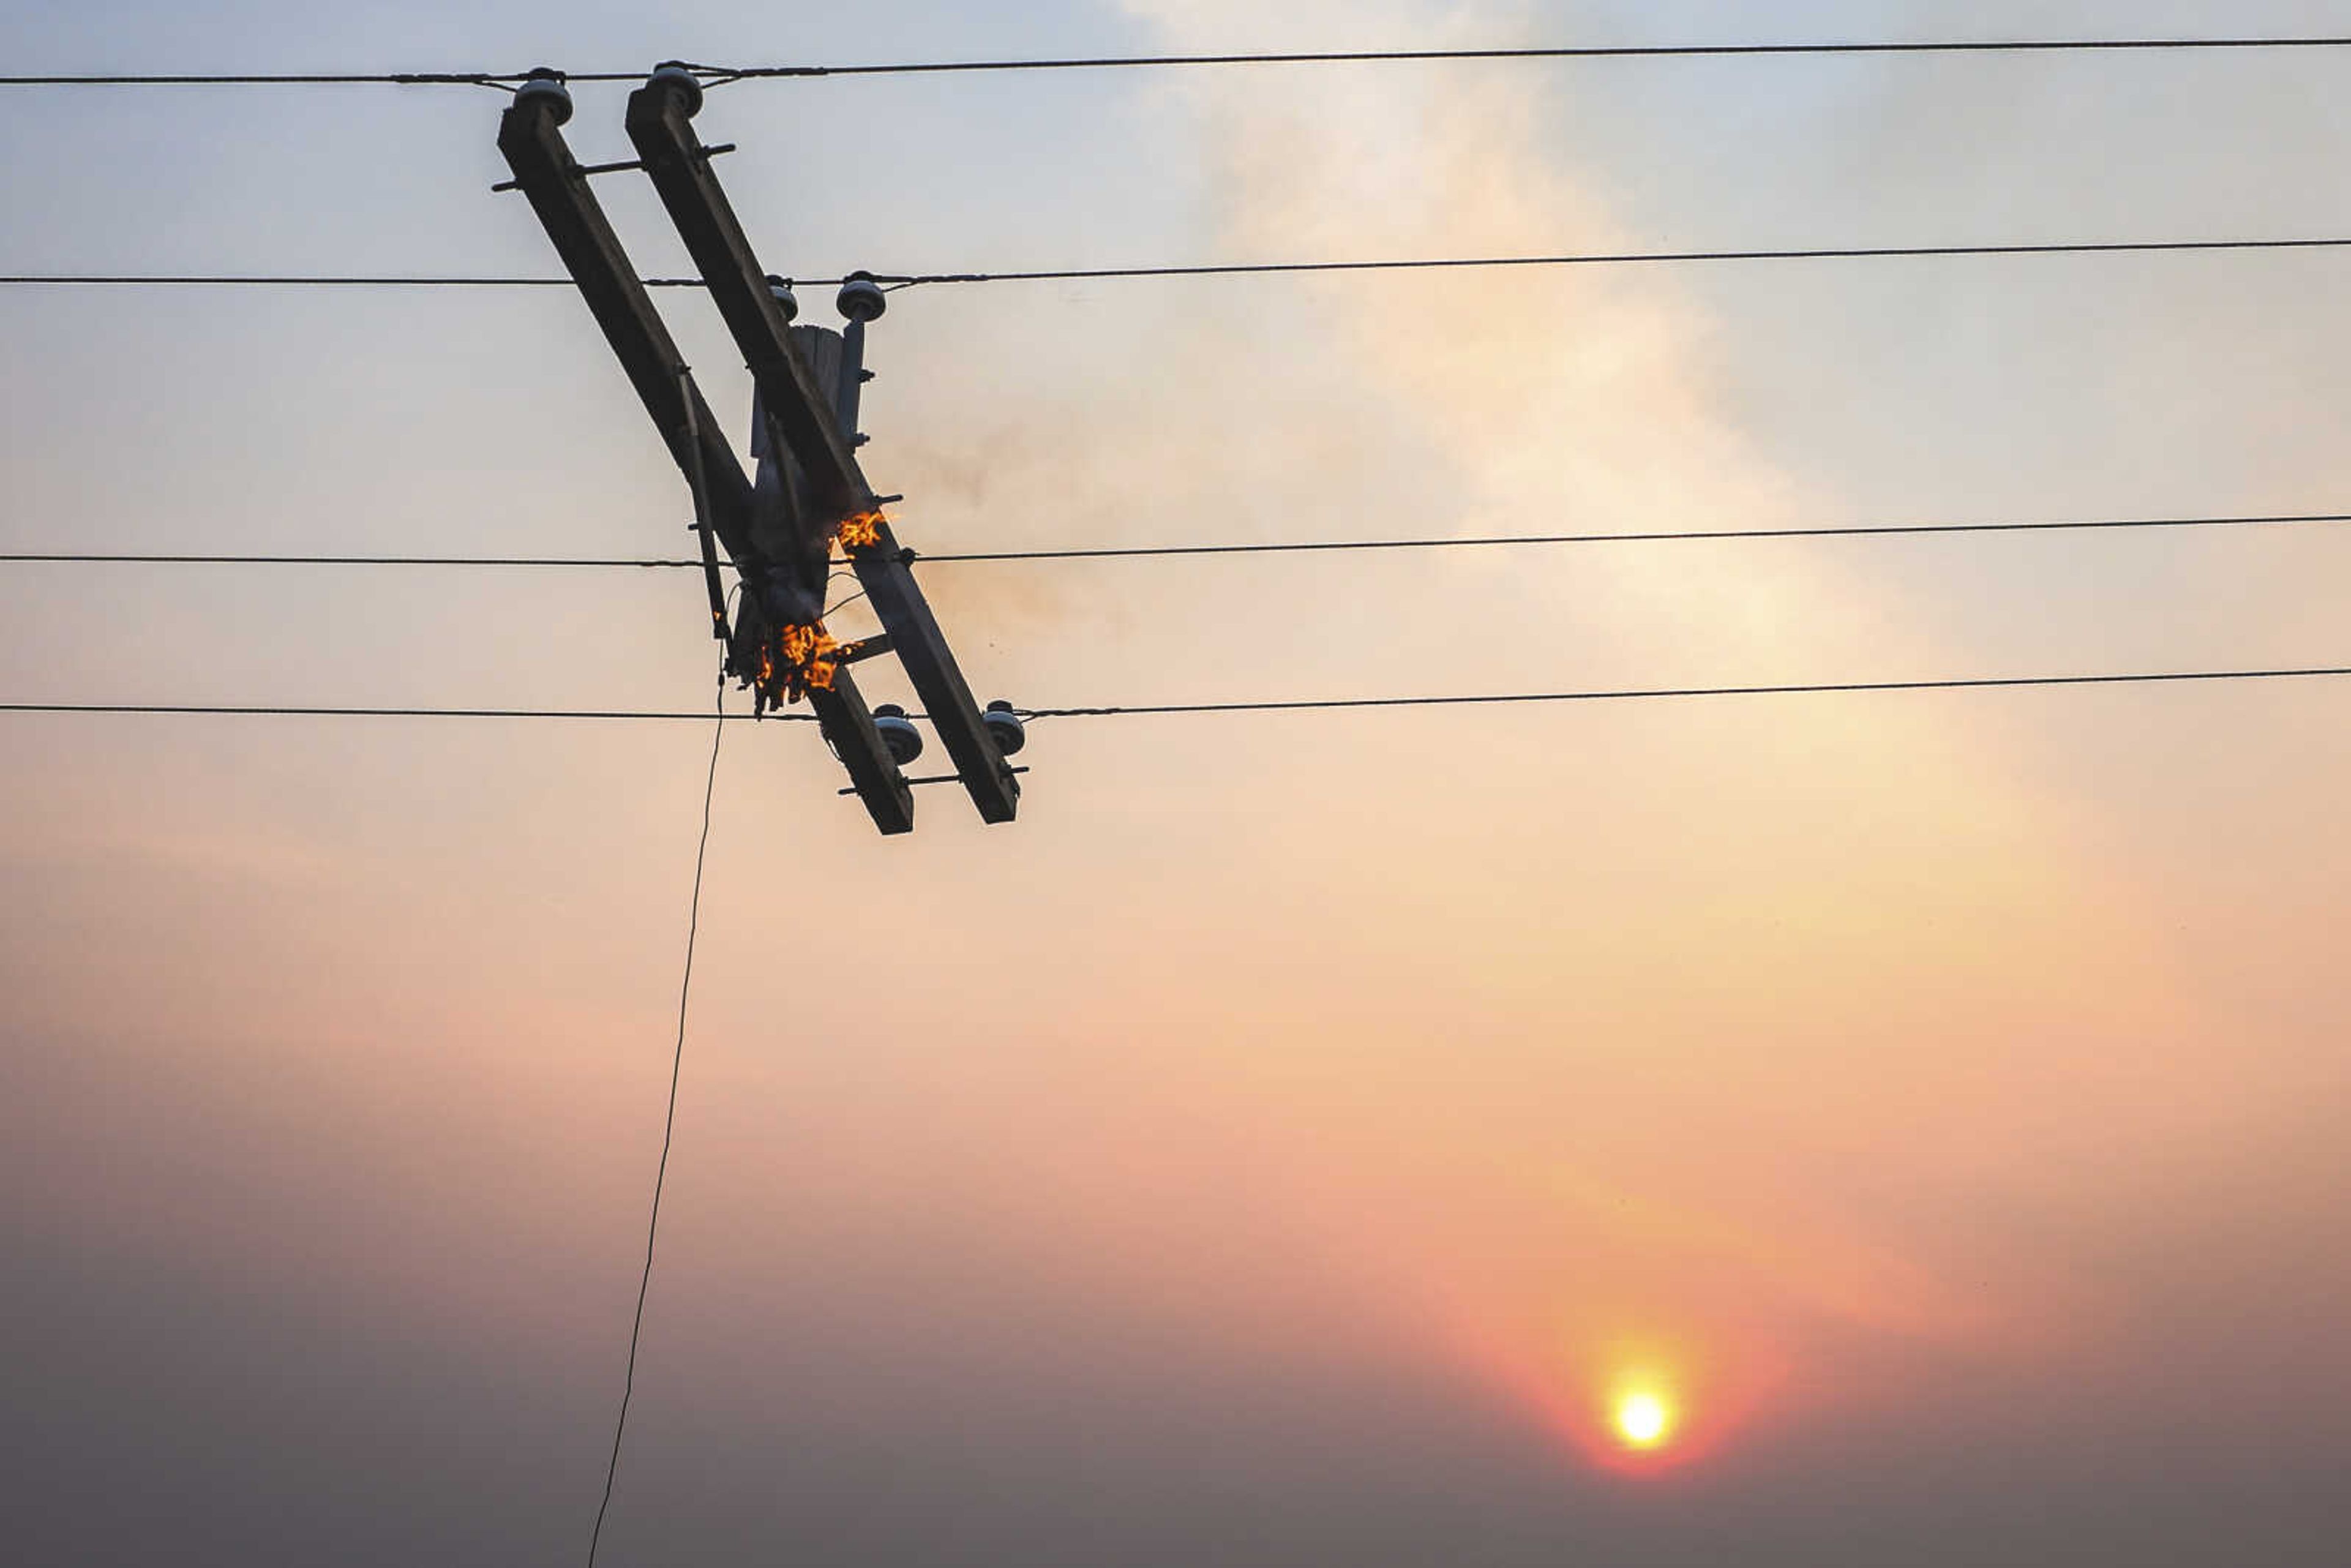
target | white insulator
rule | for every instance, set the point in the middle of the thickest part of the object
(545, 86)
(898, 733)
(1005, 727)
(862, 298)
(681, 82)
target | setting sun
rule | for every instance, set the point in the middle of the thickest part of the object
(1643, 1420)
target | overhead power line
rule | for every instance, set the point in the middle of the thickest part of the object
(1621, 258)
(1207, 269)
(261, 710)
(1150, 552)
(67, 558)
(1562, 52)
(1874, 530)
(1826, 688)
(290, 78)
(296, 280)
(1163, 61)
(1312, 705)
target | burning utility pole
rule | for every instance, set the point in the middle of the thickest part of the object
(779, 528)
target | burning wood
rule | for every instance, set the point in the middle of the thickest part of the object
(809, 664)
(784, 665)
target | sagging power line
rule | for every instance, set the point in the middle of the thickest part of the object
(719, 74)
(1269, 548)
(1206, 709)
(897, 280)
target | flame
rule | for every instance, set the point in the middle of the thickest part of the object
(793, 661)
(808, 657)
(862, 532)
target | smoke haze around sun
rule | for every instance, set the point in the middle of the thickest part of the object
(1647, 1121)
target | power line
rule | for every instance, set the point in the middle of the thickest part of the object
(669, 1127)
(296, 79)
(1986, 683)
(68, 558)
(1874, 530)
(723, 74)
(1314, 705)
(260, 710)
(1573, 52)
(1211, 269)
(1616, 258)
(300, 280)
(1147, 552)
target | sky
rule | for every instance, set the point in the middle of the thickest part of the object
(1293, 1140)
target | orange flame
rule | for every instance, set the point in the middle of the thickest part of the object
(862, 532)
(808, 654)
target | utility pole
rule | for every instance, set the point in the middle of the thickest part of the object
(809, 416)
(780, 528)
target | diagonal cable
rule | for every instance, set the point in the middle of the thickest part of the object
(669, 1129)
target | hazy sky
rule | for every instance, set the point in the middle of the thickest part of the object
(1286, 1143)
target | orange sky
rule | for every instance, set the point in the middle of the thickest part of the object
(1290, 1140)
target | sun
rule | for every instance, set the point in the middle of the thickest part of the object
(1643, 1420)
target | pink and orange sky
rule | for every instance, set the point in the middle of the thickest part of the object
(1292, 1142)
